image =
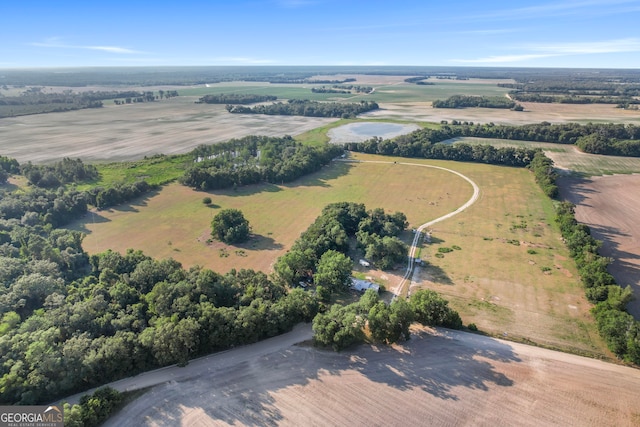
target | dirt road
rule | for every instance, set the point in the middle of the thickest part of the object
(439, 377)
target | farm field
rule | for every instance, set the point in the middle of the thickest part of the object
(568, 158)
(131, 132)
(490, 280)
(610, 206)
(533, 113)
(437, 378)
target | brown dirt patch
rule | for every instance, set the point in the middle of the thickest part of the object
(610, 206)
(437, 378)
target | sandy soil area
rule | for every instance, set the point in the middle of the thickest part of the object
(533, 113)
(130, 132)
(610, 206)
(437, 378)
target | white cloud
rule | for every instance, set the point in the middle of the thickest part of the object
(243, 60)
(538, 51)
(57, 43)
(606, 46)
(503, 58)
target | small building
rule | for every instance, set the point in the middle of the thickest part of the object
(363, 285)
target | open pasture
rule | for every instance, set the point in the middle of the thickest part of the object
(175, 223)
(492, 280)
(504, 266)
(568, 158)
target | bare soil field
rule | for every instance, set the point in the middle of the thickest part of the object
(438, 378)
(130, 132)
(533, 113)
(610, 206)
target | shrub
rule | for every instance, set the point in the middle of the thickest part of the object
(206, 200)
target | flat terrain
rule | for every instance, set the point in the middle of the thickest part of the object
(492, 280)
(175, 223)
(567, 158)
(130, 132)
(437, 378)
(533, 113)
(610, 206)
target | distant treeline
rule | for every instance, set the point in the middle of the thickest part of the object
(295, 107)
(255, 159)
(343, 89)
(34, 101)
(236, 98)
(463, 101)
(575, 90)
(593, 138)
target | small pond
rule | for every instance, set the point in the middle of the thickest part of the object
(358, 132)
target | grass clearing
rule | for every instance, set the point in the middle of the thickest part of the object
(492, 280)
(277, 214)
(567, 157)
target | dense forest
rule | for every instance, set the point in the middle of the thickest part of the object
(235, 98)
(302, 107)
(255, 159)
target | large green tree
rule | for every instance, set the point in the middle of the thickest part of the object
(230, 226)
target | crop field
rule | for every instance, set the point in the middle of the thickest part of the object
(610, 206)
(509, 273)
(131, 132)
(422, 111)
(568, 158)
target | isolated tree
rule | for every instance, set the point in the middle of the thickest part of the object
(230, 226)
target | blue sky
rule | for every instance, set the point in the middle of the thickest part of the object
(581, 33)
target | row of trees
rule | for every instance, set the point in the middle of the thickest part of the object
(619, 329)
(235, 98)
(594, 138)
(342, 326)
(464, 101)
(419, 145)
(255, 159)
(303, 107)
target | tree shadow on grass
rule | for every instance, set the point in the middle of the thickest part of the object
(437, 364)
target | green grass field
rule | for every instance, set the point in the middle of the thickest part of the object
(568, 157)
(508, 273)
(403, 92)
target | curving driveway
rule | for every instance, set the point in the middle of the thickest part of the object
(414, 245)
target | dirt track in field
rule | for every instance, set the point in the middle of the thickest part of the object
(610, 206)
(130, 132)
(437, 378)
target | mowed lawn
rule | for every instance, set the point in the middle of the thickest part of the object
(511, 275)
